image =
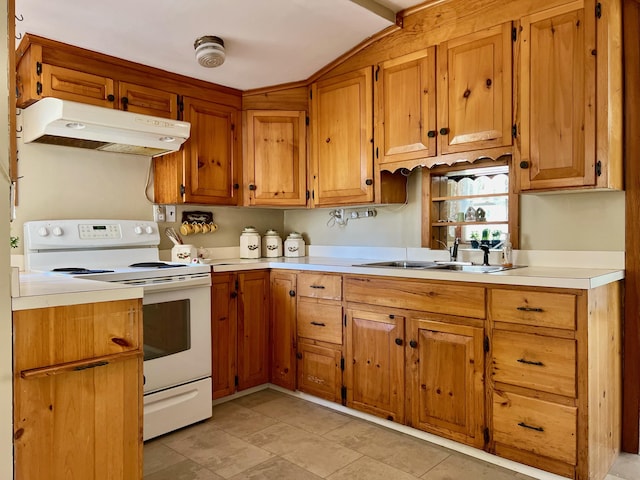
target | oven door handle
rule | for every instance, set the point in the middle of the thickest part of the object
(204, 281)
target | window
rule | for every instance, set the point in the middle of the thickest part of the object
(473, 202)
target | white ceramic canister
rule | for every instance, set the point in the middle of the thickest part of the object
(271, 244)
(183, 253)
(294, 245)
(250, 243)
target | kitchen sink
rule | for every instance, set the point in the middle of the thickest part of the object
(465, 267)
(400, 264)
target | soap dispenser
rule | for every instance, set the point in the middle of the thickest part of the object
(507, 252)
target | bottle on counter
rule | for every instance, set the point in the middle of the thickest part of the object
(507, 252)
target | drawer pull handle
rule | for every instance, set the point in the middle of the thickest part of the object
(529, 362)
(537, 429)
(530, 309)
(91, 365)
(318, 324)
(317, 286)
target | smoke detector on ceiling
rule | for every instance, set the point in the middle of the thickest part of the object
(209, 51)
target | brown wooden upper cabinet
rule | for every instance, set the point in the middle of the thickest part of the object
(342, 139)
(276, 158)
(558, 97)
(37, 80)
(206, 170)
(469, 87)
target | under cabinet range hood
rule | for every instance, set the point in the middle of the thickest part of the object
(72, 124)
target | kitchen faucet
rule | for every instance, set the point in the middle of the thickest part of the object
(485, 249)
(453, 251)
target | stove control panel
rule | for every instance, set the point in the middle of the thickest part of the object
(86, 234)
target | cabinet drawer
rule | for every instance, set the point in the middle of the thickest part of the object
(556, 310)
(537, 426)
(56, 335)
(318, 285)
(320, 320)
(533, 361)
(319, 371)
(449, 298)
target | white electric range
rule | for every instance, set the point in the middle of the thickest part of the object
(176, 312)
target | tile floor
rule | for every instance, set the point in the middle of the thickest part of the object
(269, 435)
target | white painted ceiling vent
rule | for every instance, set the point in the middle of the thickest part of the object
(209, 51)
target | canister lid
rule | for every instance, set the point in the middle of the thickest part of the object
(271, 233)
(249, 230)
(293, 235)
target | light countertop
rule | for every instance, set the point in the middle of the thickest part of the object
(559, 277)
(41, 290)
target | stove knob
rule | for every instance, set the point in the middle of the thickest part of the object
(149, 229)
(43, 232)
(137, 230)
(57, 231)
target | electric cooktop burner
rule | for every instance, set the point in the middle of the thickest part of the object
(154, 265)
(80, 271)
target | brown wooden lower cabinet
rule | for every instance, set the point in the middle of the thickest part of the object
(283, 329)
(374, 363)
(78, 392)
(239, 331)
(319, 371)
(445, 378)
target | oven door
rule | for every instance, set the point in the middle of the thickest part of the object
(177, 336)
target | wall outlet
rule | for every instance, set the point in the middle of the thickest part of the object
(170, 212)
(159, 213)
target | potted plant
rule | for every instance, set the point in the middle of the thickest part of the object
(495, 238)
(485, 237)
(475, 240)
(14, 241)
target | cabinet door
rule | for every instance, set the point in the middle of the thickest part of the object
(253, 329)
(319, 371)
(446, 380)
(341, 139)
(557, 121)
(87, 421)
(406, 108)
(374, 363)
(148, 101)
(276, 158)
(211, 154)
(223, 334)
(283, 329)
(67, 84)
(475, 91)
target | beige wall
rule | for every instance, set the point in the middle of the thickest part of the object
(562, 221)
(61, 182)
(6, 415)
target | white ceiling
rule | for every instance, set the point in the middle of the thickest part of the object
(267, 42)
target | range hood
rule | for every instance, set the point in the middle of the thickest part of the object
(61, 122)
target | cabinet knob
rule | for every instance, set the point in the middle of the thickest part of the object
(125, 103)
(111, 97)
(292, 293)
(398, 341)
(236, 186)
(252, 187)
(431, 133)
(233, 294)
(524, 164)
(299, 356)
(368, 181)
(413, 344)
(444, 131)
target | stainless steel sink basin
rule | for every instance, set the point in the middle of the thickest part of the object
(399, 264)
(473, 268)
(464, 267)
